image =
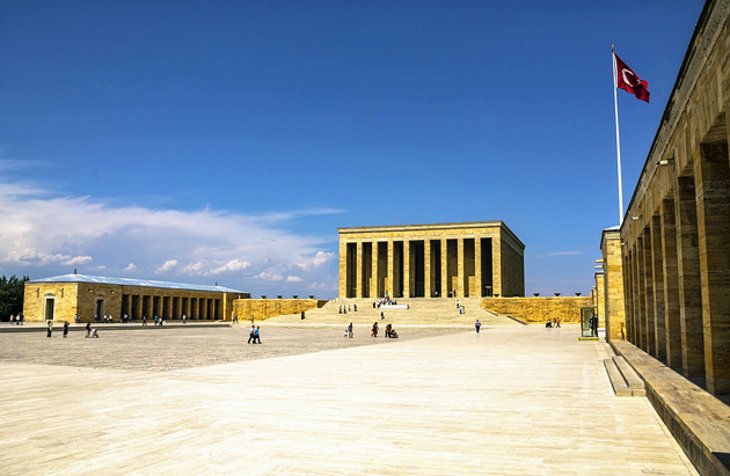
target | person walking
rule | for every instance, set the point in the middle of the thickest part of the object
(50, 327)
(477, 325)
(88, 329)
(252, 334)
(183, 318)
(374, 332)
(257, 335)
(349, 331)
(557, 322)
(144, 320)
(65, 329)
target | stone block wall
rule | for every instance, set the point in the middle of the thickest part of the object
(261, 309)
(539, 309)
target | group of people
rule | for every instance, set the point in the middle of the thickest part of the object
(90, 331)
(17, 320)
(254, 334)
(554, 323)
(343, 309)
(383, 301)
(390, 333)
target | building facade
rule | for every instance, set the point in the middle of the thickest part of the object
(63, 297)
(676, 236)
(452, 259)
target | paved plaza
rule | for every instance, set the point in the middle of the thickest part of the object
(513, 400)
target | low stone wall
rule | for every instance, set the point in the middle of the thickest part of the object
(538, 309)
(261, 309)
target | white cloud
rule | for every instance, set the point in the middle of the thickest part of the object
(167, 266)
(294, 279)
(78, 260)
(558, 253)
(231, 266)
(275, 277)
(42, 232)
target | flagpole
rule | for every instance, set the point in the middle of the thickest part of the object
(618, 141)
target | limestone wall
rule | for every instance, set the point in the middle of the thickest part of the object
(261, 309)
(538, 309)
(65, 296)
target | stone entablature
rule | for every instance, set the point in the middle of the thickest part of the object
(89, 297)
(472, 259)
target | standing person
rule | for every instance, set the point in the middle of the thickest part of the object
(557, 324)
(382, 316)
(144, 320)
(594, 326)
(65, 329)
(252, 334)
(349, 331)
(50, 328)
(88, 329)
(257, 335)
(302, 315)
(183, 318)
(21, 316)
(477, 326)
(374, 332)
(12, 319)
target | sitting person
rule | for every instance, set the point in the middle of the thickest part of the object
(393, 333)
(549, 323)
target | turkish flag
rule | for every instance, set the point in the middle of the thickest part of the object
(629, 81)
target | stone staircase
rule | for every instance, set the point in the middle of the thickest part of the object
(422, 311)
(625, 382)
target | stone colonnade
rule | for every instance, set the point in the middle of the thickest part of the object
(458, 260)
(676, 235)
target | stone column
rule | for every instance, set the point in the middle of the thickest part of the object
(649, 320)
(391, 270)
(713, 226)
(343, 269)
(374, 273)
(460, 267)
(358, 269)
(427, 267)
(406, 269)
(688, 269)
(478, 266)
(444, 269)
(657, 271)
(497, 265)
(671, 285)
(639, 295)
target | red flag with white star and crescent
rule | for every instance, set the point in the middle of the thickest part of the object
(629, 81)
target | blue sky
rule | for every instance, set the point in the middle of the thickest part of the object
(227, 141)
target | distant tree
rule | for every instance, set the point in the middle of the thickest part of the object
(11, 295)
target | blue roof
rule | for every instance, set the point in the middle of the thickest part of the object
(147, 283)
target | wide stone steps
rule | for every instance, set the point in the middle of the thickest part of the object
(625, 382)
(421, 311)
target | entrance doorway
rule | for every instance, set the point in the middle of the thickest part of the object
(99, 309)
(50, 308)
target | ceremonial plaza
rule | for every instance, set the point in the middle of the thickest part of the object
(481, 377)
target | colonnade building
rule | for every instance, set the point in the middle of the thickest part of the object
(675, 239)
(90, 297)
(475, 259)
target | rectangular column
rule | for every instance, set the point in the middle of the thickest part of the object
(374, 273)
(649, 320)
(657, 271)
(671, 285)
(343, 269)
(712, 192)
(391, 270)
(690, 290)
(427, 267)
(358, 269)
(444, 269)
(460, 273)
(406, 268)
(497, 265)
(640, 310)
(477, 268)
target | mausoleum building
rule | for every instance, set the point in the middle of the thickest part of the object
(474, 259)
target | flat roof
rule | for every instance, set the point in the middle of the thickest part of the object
(146, 283)
(465, 224)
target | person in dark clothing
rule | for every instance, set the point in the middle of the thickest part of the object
(50, 328)
(65, 328)
(257, 335)
(477, 325)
